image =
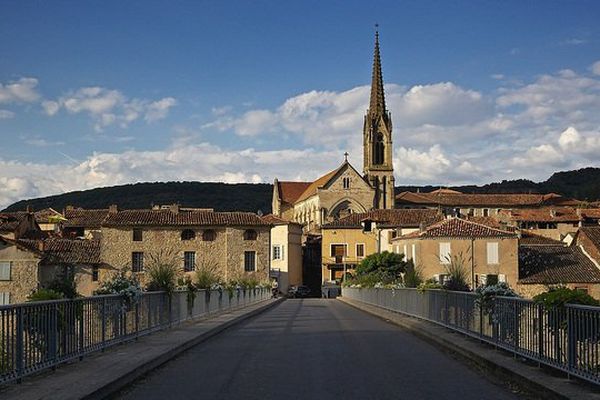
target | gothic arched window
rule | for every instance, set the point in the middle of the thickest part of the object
(378, 157)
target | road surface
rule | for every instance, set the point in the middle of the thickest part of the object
(315, 349)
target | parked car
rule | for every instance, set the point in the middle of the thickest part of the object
(299, 291)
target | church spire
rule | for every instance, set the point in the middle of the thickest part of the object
(377, 103)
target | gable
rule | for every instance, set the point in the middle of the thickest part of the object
(336, 181)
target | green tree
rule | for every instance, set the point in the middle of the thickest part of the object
(385, 267)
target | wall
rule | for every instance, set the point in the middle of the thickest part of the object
(24, 273)
(290, 266)
(224, 255)
(427, 256)
(351, 237)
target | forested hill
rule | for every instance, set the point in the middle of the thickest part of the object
(583, 184)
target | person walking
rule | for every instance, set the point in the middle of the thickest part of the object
(274, 288)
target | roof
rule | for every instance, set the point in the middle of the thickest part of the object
(47, 215)
(456, 228)
(592, 233)
(556, 265)
(290, 191)
(488, 221)
(182, 218)
(590, 213)
(275, 220)
(61, 251)
(531, 239)
(319, 183)
(446, 198)
(23, 244)
(545, 214)
(10, 221)
(79, 217)
(388, 218)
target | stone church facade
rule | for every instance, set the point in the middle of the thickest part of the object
(345, 191)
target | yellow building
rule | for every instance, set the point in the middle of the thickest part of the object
(286, 252)
(347, 241)
(486, 253)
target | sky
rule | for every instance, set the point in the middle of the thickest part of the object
(100, 93)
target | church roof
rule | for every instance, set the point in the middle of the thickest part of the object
(319, 183)
(290, 191)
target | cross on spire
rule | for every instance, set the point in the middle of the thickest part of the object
(346, 156)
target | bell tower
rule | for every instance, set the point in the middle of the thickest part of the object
(378, 167)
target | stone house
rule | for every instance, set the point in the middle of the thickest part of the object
(231, 244)
(552, 222)
(82, 223)
(487, 254)
(286, 252)
(28, 264)
(347, 241)
(544, 262)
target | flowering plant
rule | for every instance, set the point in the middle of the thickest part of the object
(122, 284)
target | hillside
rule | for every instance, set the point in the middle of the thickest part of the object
(583, 184)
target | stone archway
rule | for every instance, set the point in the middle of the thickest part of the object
(345, 207)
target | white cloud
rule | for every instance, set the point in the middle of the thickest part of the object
(596, 68)
(109, 106)
(6, 114)
(20, 91)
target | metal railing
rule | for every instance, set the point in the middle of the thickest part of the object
(39, 335)
(566, 338)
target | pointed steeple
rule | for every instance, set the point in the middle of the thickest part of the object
(377, 103)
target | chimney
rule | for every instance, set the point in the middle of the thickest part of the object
(113, 209)
(174, 208)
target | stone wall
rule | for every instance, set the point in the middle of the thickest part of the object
(24, 273)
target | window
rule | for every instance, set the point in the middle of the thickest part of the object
(209, 235)
(492, 253)
(95, 273)
(378, 158)
(486, 212)
(249, 261)
(277, 252)
(137, 261)
(367, 226)
(338, 250)
(188, 234)
(250, 234)
(5, 268)
(346, 183)
(441, 278)
(360, 250)
(471, 212)
(137, 235)
(189, 261)
(4, 298)
(444, 253)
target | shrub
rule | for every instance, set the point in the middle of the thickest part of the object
(122, 284)
(559, 296)
(67, 287)
(486, 295)
(458, 274)
(206, 278)
(385, 266)
(413, 276)
(429, 284)
(45, 294)
(162, 272)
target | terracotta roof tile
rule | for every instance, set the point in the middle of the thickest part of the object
(531, 239)
(590, 213)
(182, 218)
(275, 220)
(314, 186)
(443, 198)
(555, 265)
(47, 215)
(388, 218)
(457, 227)
(593, 234)
(84, 218)
(545, 214)
(64, 251)
(290, 191)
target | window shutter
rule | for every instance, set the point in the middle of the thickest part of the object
(483, 279)
(5, 271)
(444, 253)
(414, 254)
(283, 252)
(492, 253)
(4, 298)
(437, 278)
(405, 253)
(501, 278)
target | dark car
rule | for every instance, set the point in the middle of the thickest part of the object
(299, 291)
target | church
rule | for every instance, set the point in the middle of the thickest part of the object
(345, 191)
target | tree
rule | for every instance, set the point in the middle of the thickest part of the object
(386, 267)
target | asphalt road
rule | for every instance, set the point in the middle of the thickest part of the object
(315, 349)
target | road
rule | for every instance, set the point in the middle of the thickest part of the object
(315, 349)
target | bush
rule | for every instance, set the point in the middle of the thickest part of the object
(206, 278)
(458, 274)
(388, 266)
(429, 284)
(67, 287)
(122, 284)
(486, 295)
(413, 276)
(162, 272)
(45, 294)
(559, 296)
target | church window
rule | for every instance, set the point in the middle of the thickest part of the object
(346, 182)
(379, 150)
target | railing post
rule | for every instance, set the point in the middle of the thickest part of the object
(516, 326)
(571, 338)
(19, 344)
(170, 302)
(103, 323)
(52, 336)
(540, 332)
(75, 304)
(137, 319)
(481, 317)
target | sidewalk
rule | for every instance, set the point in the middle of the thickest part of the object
(501, 365)
(102, 374)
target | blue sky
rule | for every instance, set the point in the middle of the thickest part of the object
(98, 93)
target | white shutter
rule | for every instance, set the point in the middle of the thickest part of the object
(501, 278)
(5, 270)
(444, 253)
(437, 278)
(405, 253)
(492, 253)
(482, 279)
(414, 254)
(283, 252)
(4, 298)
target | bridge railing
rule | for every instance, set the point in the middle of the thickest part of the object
(39, 335)
(566, 338)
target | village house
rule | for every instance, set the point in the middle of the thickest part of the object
(286, 252)
(28, 264)
(232, 245)
(552, 222)
(486, 254)
(347, 241)
(82, 223)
